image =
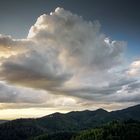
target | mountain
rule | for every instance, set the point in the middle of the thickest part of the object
(3, 121)
(131, 112)
(21, 129)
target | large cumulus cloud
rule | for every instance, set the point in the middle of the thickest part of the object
(65, 55)
(79, 42)
(62, 43)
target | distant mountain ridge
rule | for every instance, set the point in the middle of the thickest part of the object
(3, 121)
(21, 129)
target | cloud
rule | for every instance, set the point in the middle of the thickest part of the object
(12, 94)
(66, 56)
(120, 90)
(12, 97)
(79, 42)
(62, 43)
(9, 46)
(134, 69)
(128, 93)
(33, 70)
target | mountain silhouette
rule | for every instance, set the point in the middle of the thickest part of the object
(21, 129)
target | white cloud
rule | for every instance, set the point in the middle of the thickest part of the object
(134, 69)
(78, 42)
(64, 55)
(62, 44)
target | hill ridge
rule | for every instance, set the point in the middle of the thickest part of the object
(71, 121)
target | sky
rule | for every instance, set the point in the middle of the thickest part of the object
(60, 56)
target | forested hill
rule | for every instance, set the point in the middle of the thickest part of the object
(22, 129)
(127, 130)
